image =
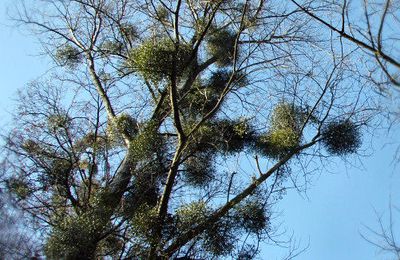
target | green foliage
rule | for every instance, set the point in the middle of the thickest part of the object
(19, 187)
(224, 136)
(70, 236)
(234, 135)
(204, 97)
(218, 239)
(146, 143)
(32, 147)
(220, 78)
(162, 13)
(284, 133)
(221, 44)
(68, 56)
(123, 124)
(59, 172)
(144, 193)
(277, 143)
(144, 221)
(154, 59)
(341, 137)
(92, 140)
(286, 115)
(199, 169)
(192, 214)
(247, 252)
(251, 216)
(200, 101)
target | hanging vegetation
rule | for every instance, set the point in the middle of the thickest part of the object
(341, 137)
(57, 121)
(18, 187)
(153, 59)
(192, 214)
(284, 133)
(111, 47)
(221, 44)
(121, 125)
(234, 135)
(68, 56)
(199, 169)
(251, 216)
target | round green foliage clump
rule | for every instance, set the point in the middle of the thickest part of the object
(146, 143)
(59, 173)
(145, 221)
(284, 133)
(251, 217)
(204, 97)
(218, 239)
(93, 141)
(192, 214)
(203, 140)
(200, 101)
(199, 169)
(286, 115)
(234, 135)
(144, 193)
(19, 187)
(126, 124)
(58, 121)
(70, 239)
(68, 56)
(221, 44)
(111, 47)
(32, 147)
(341, 137)
(226, 136)
(154, 59)
(277, 143)
(219, 79)
(128, 31)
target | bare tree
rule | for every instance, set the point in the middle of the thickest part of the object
(374, 30)
(384, 238)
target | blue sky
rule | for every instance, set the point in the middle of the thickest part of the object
(331, 215)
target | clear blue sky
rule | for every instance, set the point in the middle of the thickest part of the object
(337, 206)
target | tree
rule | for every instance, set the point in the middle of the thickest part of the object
(375, 31)
(135, 145)
(384, 238)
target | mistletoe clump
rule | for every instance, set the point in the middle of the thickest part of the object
(251, 216)
(341, 137)
(147, 143)
(121, 125)
(154, 59)
(109, 47)
(199, 169)
(19, 187)
(68, 56)
(58, 121)
(234, 135)
(221, 44)
(68, 237)
(284, 134)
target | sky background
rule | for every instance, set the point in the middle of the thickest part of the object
(329, 219)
